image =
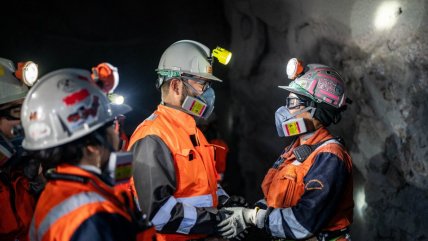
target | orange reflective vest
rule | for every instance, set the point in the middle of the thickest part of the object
(195, 171)
(17, 205)
(64, 205)
(284, 186)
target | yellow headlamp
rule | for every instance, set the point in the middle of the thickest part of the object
(222, 55)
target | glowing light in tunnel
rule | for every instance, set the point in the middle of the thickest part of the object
(360, 201)
(116, 99)
(387, 15)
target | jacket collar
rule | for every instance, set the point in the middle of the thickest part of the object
(179, 118)
(317, 136)
(79, 171)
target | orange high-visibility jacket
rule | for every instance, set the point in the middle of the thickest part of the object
(17, 205)
(315, 194)
(195, 183)
(77, 204)
(220, 154)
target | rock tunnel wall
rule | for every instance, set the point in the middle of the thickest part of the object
(380, 47)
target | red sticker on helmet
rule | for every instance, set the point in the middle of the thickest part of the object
(83, 113)
(76, 97)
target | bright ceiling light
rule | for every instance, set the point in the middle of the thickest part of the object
(387, 15)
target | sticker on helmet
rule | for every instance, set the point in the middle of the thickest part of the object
(209, 69)
(84, 114)
(76, 97)
(39, 130)
(67, 85)
(1, 71)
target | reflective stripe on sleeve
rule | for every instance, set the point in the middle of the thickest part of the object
(198, 201)
(298, 230)
(65, 207)
(164, 214)
(276, 224)
(189, 219)
(221, 191)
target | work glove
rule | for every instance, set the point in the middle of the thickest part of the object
(238, 219)
(235, 201)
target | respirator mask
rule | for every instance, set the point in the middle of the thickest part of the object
(287, 124)
(201, 105)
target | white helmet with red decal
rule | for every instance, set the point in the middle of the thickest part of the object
(62, 107)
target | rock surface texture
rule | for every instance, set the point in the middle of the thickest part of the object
(380, 48)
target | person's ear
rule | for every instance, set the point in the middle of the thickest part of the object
(175, 86)
(92, 149)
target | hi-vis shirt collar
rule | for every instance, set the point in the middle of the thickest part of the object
(179, 118)
(318, 136)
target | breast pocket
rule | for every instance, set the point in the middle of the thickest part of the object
(189, 167)
(291, 186)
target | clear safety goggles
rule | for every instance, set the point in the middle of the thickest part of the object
(294, 102)
(204, 83)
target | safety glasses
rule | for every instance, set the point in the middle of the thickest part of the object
(205, 83)
(294, 102)
(11, 113)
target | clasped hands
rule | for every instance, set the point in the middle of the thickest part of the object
(234, 220)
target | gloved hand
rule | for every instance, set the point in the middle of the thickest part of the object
(235, 201)
(237, 220)
(240, 236)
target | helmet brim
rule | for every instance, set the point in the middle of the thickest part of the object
(207, 76)
(120, 109)
(294, 90)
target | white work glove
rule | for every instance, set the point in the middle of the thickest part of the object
(238, 219)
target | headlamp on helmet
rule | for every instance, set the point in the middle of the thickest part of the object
(294, 68)
(222, 55)
(27, 72)
(116, 99)
(106, 76)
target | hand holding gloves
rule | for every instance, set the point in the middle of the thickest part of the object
(238, 219)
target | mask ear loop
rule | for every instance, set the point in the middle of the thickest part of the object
(190, 86)
(307, 109)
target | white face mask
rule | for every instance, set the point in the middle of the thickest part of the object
(119, 167)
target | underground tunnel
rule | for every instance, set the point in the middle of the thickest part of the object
(379, 47)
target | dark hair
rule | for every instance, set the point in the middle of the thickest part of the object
(70, 153)
(325, 113)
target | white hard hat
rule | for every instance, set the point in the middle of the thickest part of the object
(186, 57)
(11, 88)
(62, 107)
